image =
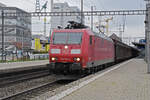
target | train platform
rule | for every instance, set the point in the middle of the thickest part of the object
(127, 81)
(20, 66)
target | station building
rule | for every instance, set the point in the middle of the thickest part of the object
(2, 5)
(17, 30)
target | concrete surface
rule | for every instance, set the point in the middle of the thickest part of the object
(18, 66)
(129, 82)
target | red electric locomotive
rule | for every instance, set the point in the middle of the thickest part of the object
(79, 50)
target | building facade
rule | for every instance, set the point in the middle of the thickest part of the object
(17, 30)
(2, 5)
(63, 20)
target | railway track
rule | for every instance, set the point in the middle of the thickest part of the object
(10, 84)
(38, 90)
(9, 80)
(29, 93)
(33, 91)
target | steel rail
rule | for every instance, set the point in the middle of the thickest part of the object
(22, 77)
(28, 90)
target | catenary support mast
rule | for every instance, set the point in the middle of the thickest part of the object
(147, 31)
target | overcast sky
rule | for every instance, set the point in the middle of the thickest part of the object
(134, 24)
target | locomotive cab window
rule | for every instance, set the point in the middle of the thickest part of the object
(67, 38)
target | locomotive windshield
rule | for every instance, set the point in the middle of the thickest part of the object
(67, 38)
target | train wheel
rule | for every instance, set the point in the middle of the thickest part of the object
(96, 69)
(92, 70)
(103, 66)
(50, 71)
(87, 71)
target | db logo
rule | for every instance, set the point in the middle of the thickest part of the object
(65, 51)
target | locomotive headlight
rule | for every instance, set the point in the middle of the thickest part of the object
(77, 59)
(53, 58)
(66, 47)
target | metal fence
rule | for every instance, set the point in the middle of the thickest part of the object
(13, 57)
(39, 56)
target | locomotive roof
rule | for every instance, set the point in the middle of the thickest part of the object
(69, 30)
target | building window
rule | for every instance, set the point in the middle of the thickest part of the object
(56, 8)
